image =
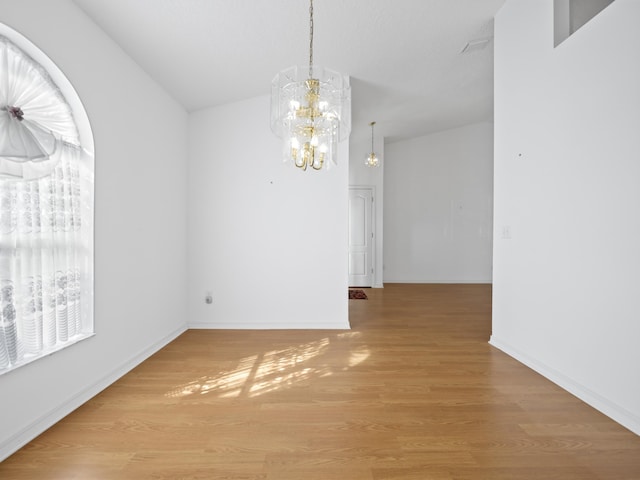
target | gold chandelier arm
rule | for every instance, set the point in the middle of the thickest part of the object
(301, 163)
(320, 163)
(306, 157)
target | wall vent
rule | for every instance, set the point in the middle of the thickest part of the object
(476, 45)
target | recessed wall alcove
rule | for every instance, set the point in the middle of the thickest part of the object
(571, 15)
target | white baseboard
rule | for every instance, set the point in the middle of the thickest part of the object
(226, 325)
(35, 428)
(600, 403)
(441, 281)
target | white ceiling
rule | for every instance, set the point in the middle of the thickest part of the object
(403, 56)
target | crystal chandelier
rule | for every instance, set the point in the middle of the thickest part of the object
(372, 159)
(310, 111)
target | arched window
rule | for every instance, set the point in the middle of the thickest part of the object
(46, 207)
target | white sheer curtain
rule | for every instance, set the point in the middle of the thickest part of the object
(46, 216)
(43, 259)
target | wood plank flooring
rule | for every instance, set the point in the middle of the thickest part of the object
(412, 392)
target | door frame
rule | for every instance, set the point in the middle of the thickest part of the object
(372, 222)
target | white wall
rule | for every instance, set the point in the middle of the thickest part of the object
(361, 175)
(140, 228)
(567, 176)
(268, 240)
(438, 207)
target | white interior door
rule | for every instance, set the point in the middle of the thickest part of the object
(360, 237)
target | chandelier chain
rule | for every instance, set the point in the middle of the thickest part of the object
(372, 124)
(310, 38)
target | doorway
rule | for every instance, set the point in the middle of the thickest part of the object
(361, 237)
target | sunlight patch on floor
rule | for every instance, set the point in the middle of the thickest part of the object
(274, 370)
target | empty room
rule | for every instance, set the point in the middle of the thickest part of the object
(319, 239)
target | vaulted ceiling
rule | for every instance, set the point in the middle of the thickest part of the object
(404, 56)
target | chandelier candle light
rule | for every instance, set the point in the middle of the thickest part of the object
(310, 111)
(372, 159)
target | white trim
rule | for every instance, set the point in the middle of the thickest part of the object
(86, 160)
(35, 428)
(462, 281)
(230, 325)
(374, 249)
(604, 405)
(27, 359)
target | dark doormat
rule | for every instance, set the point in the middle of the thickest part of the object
(357, 295)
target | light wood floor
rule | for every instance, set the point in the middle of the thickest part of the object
(412, 392)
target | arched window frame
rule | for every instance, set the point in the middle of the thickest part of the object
(29, 293)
